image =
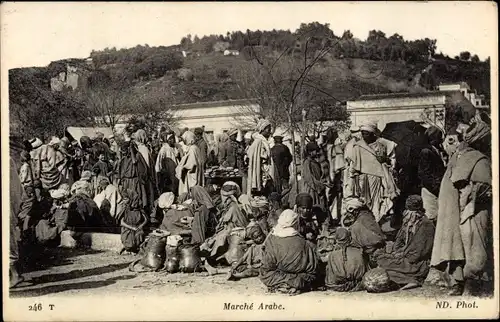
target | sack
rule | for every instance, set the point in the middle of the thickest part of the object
(376, 281)
(45, 232)
(237, 246)
(190, 260)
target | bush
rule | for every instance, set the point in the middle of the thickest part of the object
(159, 64)
(185, 74)
(222, 73)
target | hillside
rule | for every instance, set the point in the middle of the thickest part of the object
(163, 74)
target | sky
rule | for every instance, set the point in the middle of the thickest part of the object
(34, 34)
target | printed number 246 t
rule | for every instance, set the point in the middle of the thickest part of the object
(38, 307)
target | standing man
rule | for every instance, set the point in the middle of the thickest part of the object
(371, 165)
(166, 162)
(431, 170)
(261, 168)
(201, 144)
(16, 192)
(282, 159)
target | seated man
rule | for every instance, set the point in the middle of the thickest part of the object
(176, 218)
(233, 221)
(311, 218)
(365, 231)
(408, 262)
(289, 261)
(249, 264)
(346, 265)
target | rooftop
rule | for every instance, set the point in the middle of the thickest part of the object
(455, 83)
(215, 103)
(400, 95)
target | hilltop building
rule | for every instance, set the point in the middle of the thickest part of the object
(477, 100)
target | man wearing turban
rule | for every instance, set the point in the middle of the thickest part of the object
(166, 162)
(346, 264)
(463, 240)
(407, 263)
(44, 162)
(261, 168)
(289, 261)
(311, 181)
(190, 171)
(371, 165)
(201, 144)
(282, 157)
(232, 221)
(431, 169)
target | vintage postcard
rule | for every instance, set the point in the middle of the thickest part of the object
(249, 160)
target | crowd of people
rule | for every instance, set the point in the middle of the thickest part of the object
(330, 227)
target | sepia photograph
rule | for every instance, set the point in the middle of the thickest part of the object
(249, 160)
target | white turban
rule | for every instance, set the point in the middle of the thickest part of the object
(287, 224)
(166, 200)
(188, 137)
(86, 175)
(58, 193)
(36, 143)
(232, 132)
(370, 127)
(262, 124)
(81, 187)
(55, 140)
(353, 203)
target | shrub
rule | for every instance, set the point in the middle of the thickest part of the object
(222, 73)
(185, 74)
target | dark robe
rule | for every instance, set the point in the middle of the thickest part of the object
(345, 269)
(366, 233)
(409, 260)
(172, 221)
(133, 175)
(131, 239)
(282, 160)
(431, 170)
(288, 261)
(203, 146)
(83, 214)
(167, 181)
(312, 184)
(204, 224)
(236, 155)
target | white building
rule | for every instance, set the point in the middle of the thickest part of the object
(397, 107)
(420, 107)
(477, 100)
(217, 116)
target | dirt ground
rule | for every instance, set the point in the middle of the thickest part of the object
(85, 272)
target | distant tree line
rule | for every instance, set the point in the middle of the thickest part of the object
(377, 46)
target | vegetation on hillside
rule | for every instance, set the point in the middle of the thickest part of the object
(149, 80)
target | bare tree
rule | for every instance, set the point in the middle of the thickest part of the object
(286, 87)
(106, 105)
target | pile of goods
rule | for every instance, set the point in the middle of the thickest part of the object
(229, 172)
(164, 252)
